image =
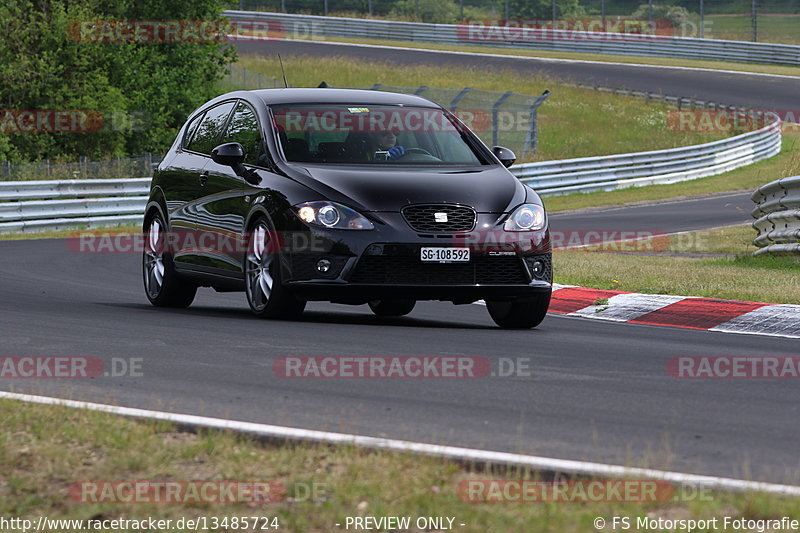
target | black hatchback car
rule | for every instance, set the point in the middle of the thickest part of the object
(349, 196)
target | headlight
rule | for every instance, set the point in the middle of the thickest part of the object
(331, 215)
(527, 217)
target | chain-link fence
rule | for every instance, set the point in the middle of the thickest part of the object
(506, 119)
(775, 21)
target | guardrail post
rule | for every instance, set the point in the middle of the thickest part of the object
(495, 109)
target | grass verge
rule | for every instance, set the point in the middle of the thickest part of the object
(658, 271)
(573, 122)
(66, 233)
(46, 450)
(578, 56)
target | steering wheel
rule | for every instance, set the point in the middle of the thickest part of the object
(416, 151)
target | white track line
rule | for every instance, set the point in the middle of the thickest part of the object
(530, 58)
(450, 452)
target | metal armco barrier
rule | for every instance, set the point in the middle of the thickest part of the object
(52, 205)
(777, 215)
(607, 173)
(314, 27)
(48, 205)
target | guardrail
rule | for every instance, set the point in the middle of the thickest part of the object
(777, 215)
(606, 173)
(284, 25)
(50, 205)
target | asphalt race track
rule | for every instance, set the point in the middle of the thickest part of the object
(740, 89)
(597, 391)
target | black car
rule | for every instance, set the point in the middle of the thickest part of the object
(349, 196)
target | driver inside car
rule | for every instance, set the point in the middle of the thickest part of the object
(386, 141)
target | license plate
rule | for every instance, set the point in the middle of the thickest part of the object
(444, 255)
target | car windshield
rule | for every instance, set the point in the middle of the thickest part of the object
(373, 135)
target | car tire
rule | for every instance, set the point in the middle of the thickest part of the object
(392, 307)
(163, 286)
(266, 294)
(521, 313)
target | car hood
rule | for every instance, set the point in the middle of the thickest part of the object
(488, 190)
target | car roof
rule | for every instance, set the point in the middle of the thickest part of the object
(338, 96)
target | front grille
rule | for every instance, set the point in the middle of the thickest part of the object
(407, 269)
(423, 218)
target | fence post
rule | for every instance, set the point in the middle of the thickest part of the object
(702, 19)
(532, 139)
(754, 16)
(495, 109)
(458, 98)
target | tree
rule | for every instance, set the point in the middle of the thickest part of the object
(49, 65)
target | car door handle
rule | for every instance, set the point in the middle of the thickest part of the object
(203, 179)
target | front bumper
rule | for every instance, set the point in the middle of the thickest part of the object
(386, 263)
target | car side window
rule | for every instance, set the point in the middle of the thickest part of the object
(243, 129)
(190, 129)
(208, 133)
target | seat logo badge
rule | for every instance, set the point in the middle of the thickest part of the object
(440, 217)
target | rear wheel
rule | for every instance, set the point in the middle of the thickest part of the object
(266, 295)
(163, 286)
(392, 307)
(521, 313)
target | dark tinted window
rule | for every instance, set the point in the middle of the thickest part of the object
(374, 134)
(208, 133)
(190, 129)
(243, 129)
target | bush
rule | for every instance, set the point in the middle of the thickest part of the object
(45, 67)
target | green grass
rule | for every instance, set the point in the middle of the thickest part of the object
(787, 163)
(741, 277)
(66, 233)
(772, 28)
(46, 449)
(572, 122)
(664, 61)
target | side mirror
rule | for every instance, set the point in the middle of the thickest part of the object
(228, 154)
(506, 156)
(232, 155)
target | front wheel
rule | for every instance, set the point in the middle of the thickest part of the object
(267, 297)
(523, 313)
(392, 307)
(163, 286)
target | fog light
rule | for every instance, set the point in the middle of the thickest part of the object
(323, 265)
(538, 268)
